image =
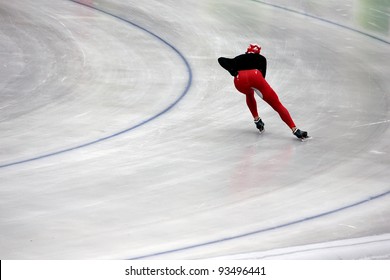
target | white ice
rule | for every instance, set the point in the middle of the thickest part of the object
(122, 138)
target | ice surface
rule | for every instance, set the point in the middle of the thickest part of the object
(121, 137)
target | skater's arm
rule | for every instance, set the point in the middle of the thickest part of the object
(228, 64)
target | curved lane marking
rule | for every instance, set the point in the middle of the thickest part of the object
(185, 91)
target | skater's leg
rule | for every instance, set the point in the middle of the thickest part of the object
(282, 111)
(252, 104)
(241, 83)
(270, 96)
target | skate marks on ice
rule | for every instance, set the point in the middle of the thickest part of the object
(186, 87)
(305, 139)
(198, 181)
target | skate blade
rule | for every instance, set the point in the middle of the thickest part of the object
(305, 139)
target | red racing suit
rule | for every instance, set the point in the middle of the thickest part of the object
(249, 72)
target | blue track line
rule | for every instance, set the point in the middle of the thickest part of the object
(261, 230)
(323, 20)
(185, 91)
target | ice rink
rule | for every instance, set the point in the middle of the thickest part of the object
(121, 137)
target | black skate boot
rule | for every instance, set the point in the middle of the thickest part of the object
(301, 134)
(260, 125)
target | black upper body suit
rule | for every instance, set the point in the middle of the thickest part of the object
(245, 61)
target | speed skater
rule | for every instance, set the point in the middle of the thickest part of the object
(249, 70)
